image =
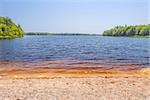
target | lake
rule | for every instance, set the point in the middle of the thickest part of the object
(77, 50)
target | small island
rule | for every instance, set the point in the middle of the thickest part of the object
(9, 30)
(130, 31)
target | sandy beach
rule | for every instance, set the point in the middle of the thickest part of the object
(74, 49)
(74, 84)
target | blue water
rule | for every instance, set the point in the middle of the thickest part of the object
(86, 48)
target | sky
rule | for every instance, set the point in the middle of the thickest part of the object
(75, 16)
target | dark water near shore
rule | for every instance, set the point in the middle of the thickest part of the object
(97, 49)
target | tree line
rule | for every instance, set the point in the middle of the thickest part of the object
(46, 33)
(138, 30)
(8, 29)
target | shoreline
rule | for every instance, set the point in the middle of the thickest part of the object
(82, 83)
(45, 72)
(74, 84)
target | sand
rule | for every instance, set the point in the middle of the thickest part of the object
(74, 84)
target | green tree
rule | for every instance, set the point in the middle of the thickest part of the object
(141, 30)
(8, 29)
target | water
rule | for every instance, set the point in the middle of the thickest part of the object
(98, 49)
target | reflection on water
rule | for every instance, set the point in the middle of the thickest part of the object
(75, 51)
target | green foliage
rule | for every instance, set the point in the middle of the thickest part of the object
(137, 36)
(9, 30)
(138, 30)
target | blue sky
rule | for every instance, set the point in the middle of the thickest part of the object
(84, 16)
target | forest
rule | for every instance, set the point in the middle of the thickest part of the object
(138, 30)
(9, 30)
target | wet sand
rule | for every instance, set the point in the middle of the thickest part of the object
(80, 83)
(45, 72)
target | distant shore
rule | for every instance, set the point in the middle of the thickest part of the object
(78, 34)
(45, 33)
